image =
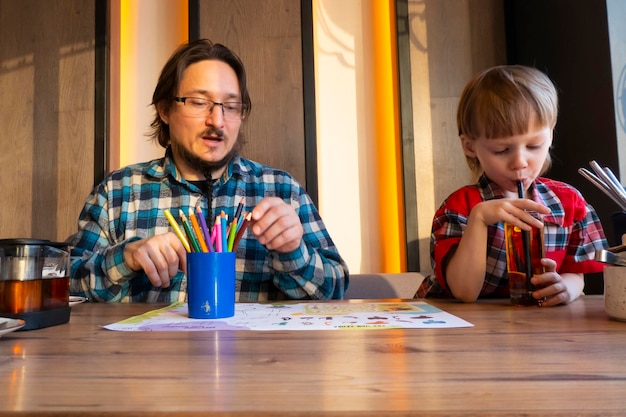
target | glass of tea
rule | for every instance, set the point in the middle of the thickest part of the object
(518, 242)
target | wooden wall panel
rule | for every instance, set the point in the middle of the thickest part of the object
(267, 37)
(16, 141)
(46, 115)
(450, 41)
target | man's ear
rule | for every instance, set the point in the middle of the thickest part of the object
(468, 146)
(164, 112)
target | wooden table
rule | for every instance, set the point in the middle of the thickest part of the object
(569, 360)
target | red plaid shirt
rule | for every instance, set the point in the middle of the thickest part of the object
(572, 234)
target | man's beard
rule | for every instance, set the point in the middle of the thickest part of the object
(200, 165)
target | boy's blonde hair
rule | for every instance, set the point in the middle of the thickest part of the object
(501, 101)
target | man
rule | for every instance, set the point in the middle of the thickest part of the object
(125, 250)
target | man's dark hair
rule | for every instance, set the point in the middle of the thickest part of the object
(169, 80)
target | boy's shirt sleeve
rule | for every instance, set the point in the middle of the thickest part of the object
(449, 224)
(585, 233)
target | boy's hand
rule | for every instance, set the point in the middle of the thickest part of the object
(510, 210)
(556, 289)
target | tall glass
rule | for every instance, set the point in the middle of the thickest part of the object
(519, 269)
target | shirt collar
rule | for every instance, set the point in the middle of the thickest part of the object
(165, 167)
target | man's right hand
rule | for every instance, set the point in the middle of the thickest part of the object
(160, 257)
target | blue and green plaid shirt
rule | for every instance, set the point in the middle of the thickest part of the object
(129, 205)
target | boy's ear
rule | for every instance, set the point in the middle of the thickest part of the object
(468, 146)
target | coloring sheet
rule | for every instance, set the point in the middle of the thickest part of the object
(299, 316)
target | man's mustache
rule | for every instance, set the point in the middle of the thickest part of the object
(214, 132)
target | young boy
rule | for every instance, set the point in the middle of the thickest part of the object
(506, 117)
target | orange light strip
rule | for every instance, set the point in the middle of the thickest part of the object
(391, 194)
(127, 73)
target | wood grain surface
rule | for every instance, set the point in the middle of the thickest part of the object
(47, 100)
(267, 36)
(569, 360)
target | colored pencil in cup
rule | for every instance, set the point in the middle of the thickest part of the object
(232, 231)
(196, 228)
(224, 230)
(241, 220)
(214, 236)
(190, 234)
(241, 230)
(205, 229)
(238, 211)
(218, 234)
(177, 230)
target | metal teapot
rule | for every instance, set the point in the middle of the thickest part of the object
(34, 281)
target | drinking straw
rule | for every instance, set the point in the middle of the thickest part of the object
(190, 234)
(196, 228)
(177, 230)
(526, 243)
(205, 229)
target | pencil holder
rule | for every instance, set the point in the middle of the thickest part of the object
(211, 284)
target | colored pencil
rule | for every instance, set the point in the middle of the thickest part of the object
(224, 234)
(241, 230)
(218, 234)
(240, 222)
(214, 236)
(196, 228)
(205, 229)
(177, 230)
(238, 211)
(232, 231)
(190, 235)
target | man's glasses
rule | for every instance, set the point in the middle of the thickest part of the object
(201, 107)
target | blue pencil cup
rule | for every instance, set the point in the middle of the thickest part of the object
(211, 284)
